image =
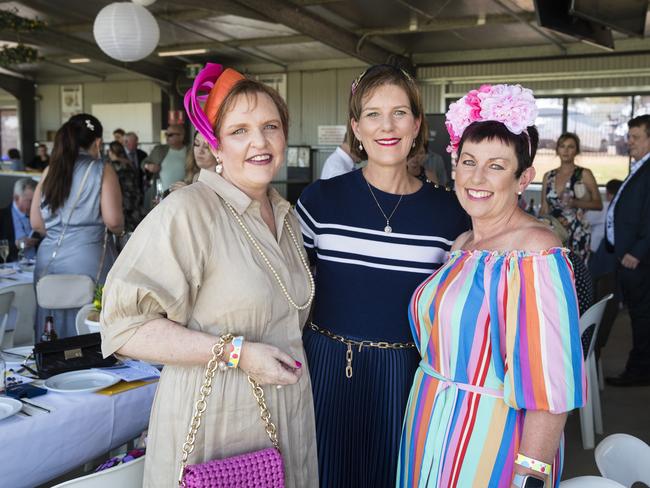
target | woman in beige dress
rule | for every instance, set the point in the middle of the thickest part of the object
(191, 273)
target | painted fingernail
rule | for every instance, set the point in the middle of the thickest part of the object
(298, 364)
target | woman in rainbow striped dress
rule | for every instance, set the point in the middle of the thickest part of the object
(497, 325)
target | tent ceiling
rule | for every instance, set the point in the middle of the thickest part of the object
(279, 35)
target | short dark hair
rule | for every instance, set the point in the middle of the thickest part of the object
(525, 145)
(119, 131)
(612, 186)
(13, 153)
(641, 121)
(568, 135)
(366, 84)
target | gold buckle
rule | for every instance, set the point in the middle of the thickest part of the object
(72, 354)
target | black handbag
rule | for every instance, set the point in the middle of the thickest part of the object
(70, 354)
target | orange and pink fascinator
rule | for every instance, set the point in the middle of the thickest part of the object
(210, 87)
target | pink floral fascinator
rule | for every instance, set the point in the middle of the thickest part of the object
(512, 105)
(216, 83)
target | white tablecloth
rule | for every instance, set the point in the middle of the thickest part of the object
(24, 306)
(81, 427)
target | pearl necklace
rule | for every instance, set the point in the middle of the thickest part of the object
(312, 284)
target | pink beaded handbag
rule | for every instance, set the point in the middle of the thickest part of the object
(259, 469)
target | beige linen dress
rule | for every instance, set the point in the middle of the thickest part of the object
(190, 261)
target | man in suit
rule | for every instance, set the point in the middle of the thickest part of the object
(136, 156)
(628, 231)
(14, 220)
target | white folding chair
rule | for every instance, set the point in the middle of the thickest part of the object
(590, 482)
(591, 414)
(624, 458)
(80, 321)
(6, 301)
(25, 310)
(127, 475)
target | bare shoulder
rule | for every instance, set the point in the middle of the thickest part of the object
(461, 240)
(534, 236)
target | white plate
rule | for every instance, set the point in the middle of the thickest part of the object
(12, 360)
(80, 381)
(8, 407)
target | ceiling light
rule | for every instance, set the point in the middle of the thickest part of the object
(182, 52)
(79, 60)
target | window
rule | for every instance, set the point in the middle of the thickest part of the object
(549, 125)
(601, 124)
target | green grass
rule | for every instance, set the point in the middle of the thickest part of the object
(604, 166)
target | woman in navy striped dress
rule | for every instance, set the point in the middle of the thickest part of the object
(372, 235)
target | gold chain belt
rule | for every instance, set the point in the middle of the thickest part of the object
(358, 344)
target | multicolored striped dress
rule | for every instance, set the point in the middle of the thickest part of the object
(498, 334)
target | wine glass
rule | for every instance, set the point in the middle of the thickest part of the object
(4, 250)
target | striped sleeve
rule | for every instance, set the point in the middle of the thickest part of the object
(544, 364)
(308, 228)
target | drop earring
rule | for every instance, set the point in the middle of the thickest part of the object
(360, 147)
(219, 167)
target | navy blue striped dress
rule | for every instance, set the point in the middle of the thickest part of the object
(364, 281)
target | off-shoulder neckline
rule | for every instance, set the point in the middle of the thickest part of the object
(512, 253)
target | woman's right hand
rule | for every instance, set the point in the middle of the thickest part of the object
(268, 365)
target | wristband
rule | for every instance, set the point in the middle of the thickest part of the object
(534, 464)
(235, 353)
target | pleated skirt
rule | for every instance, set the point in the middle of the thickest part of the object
(358, 420)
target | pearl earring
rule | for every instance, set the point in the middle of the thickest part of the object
(519, 193)
(413, 145)
(219, 167)
(360, 147)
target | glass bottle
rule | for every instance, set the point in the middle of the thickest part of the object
(21, 251)
(49, 334)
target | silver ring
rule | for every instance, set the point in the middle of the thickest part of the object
(278, 386)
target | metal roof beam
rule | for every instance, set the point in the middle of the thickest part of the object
(453, 23)
(162, 73)
(304, 21)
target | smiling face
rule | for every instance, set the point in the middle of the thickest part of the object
(386, 126)
(486, 184)
(202, 155)
(252, 143)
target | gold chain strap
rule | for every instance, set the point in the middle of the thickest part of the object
(312, 284)
(201, 405)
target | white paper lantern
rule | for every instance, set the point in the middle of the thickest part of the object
(126, 31)
(144, 3)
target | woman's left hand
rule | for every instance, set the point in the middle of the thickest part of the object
(269, 365)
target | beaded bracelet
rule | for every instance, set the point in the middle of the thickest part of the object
(534, 464)
(235, 353)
